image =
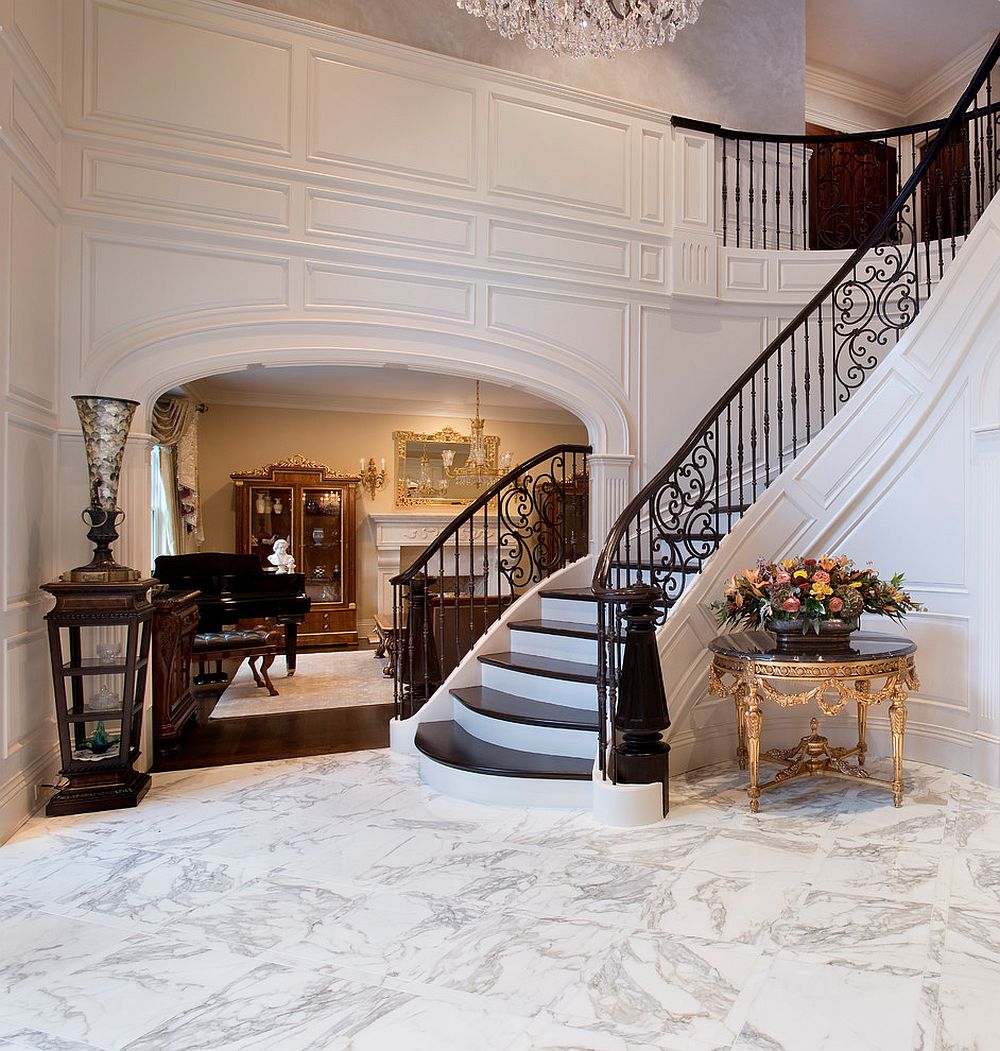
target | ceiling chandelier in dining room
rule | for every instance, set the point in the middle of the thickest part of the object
(586, 27)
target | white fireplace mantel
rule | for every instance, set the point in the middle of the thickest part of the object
(393, 532)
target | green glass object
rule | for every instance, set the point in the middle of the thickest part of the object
(99, 741)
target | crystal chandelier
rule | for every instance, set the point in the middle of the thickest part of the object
(479, 468)
(586, 27)
(424, 484)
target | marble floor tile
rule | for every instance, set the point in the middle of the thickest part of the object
(968, 1015)
(117, 996)
(870, 869)
(275, 1006)
(972, 944)
(806, 1006)
(975, 878)
(870, 934)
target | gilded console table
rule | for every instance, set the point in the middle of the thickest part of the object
(750, 666)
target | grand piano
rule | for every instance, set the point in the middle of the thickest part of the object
(236, 587)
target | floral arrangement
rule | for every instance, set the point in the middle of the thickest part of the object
(811, 590)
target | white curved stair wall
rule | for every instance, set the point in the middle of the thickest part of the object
(907, 476)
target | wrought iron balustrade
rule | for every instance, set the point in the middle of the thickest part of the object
(530, 523)
(832, 191)
(795, 386)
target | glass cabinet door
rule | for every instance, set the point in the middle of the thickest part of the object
(270, 518)
(323, 544)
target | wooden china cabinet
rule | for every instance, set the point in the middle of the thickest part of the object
(315, 509)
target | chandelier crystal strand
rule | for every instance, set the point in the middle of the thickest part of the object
(579, 28)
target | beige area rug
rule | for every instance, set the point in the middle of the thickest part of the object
(321, 680)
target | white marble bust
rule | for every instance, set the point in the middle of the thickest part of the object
(281, 559)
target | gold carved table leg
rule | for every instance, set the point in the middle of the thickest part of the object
(862, 686)
(897, 723)
(754, 719)
(741, 729)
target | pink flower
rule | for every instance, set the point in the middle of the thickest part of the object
(792, 604)
(782, 578)
(836, 604)
(821, 577)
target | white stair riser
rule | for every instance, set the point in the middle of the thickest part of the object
(506, 791)
(538, 740)
(569, 609)
(559, 647)
(541, 687)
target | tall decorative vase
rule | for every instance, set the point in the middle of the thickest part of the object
(105, 423)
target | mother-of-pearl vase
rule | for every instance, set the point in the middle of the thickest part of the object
(105, 423)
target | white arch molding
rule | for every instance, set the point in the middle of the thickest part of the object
(145, 364)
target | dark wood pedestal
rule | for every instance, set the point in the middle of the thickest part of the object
(99, 647)
(175, 618)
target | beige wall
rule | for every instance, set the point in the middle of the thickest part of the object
(239, 437)
(741, 64)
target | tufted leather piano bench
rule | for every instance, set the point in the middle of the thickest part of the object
(225, 645)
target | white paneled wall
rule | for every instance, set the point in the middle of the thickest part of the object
(30, 82)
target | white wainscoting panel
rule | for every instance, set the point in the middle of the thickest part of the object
(123, 185)
(569, 158)
(35, 129)
(32, 300)
(36, 24)
(547, 248)
(391, 225)
(652, 145)
(29, 709)
(354, 287)
(29, 515)
(377, 118)
(166, 74)
(587, 330)
(136, 283)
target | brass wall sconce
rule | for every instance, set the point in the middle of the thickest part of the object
(372, 479)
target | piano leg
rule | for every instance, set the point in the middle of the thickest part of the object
(291, 641)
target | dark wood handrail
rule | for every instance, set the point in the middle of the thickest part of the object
(603, 568)
(423, 559)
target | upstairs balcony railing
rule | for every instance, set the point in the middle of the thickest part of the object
(829, 192)
(530, 523)
(798, 383)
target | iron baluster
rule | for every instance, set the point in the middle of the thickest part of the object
(793, 391)
(753, 433)
(805, 201)
(781, 414)
(791, 199)
(807, 386)
(767, 423)
(729, 466)
(750, 195)
(725, 192)
(739, 445)
(739, 220)
(763, 196)
(821, 366)
(777, 195)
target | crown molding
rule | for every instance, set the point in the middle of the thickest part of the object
(852, 88)
(958, 72)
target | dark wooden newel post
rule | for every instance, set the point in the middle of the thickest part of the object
(640, 756)
(419, 671)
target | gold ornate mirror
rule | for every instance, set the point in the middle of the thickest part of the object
(442, 468)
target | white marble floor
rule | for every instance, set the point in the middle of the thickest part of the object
(336, 903)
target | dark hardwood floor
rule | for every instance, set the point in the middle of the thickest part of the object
(223, 742)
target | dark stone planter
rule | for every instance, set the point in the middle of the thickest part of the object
(798, 635)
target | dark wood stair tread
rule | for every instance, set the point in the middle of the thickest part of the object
(549, 667)
(555, 627)
(570, 594)
(446, 742)
(509, 707)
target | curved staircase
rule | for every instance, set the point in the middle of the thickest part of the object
(537, 722)
(528, 733)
